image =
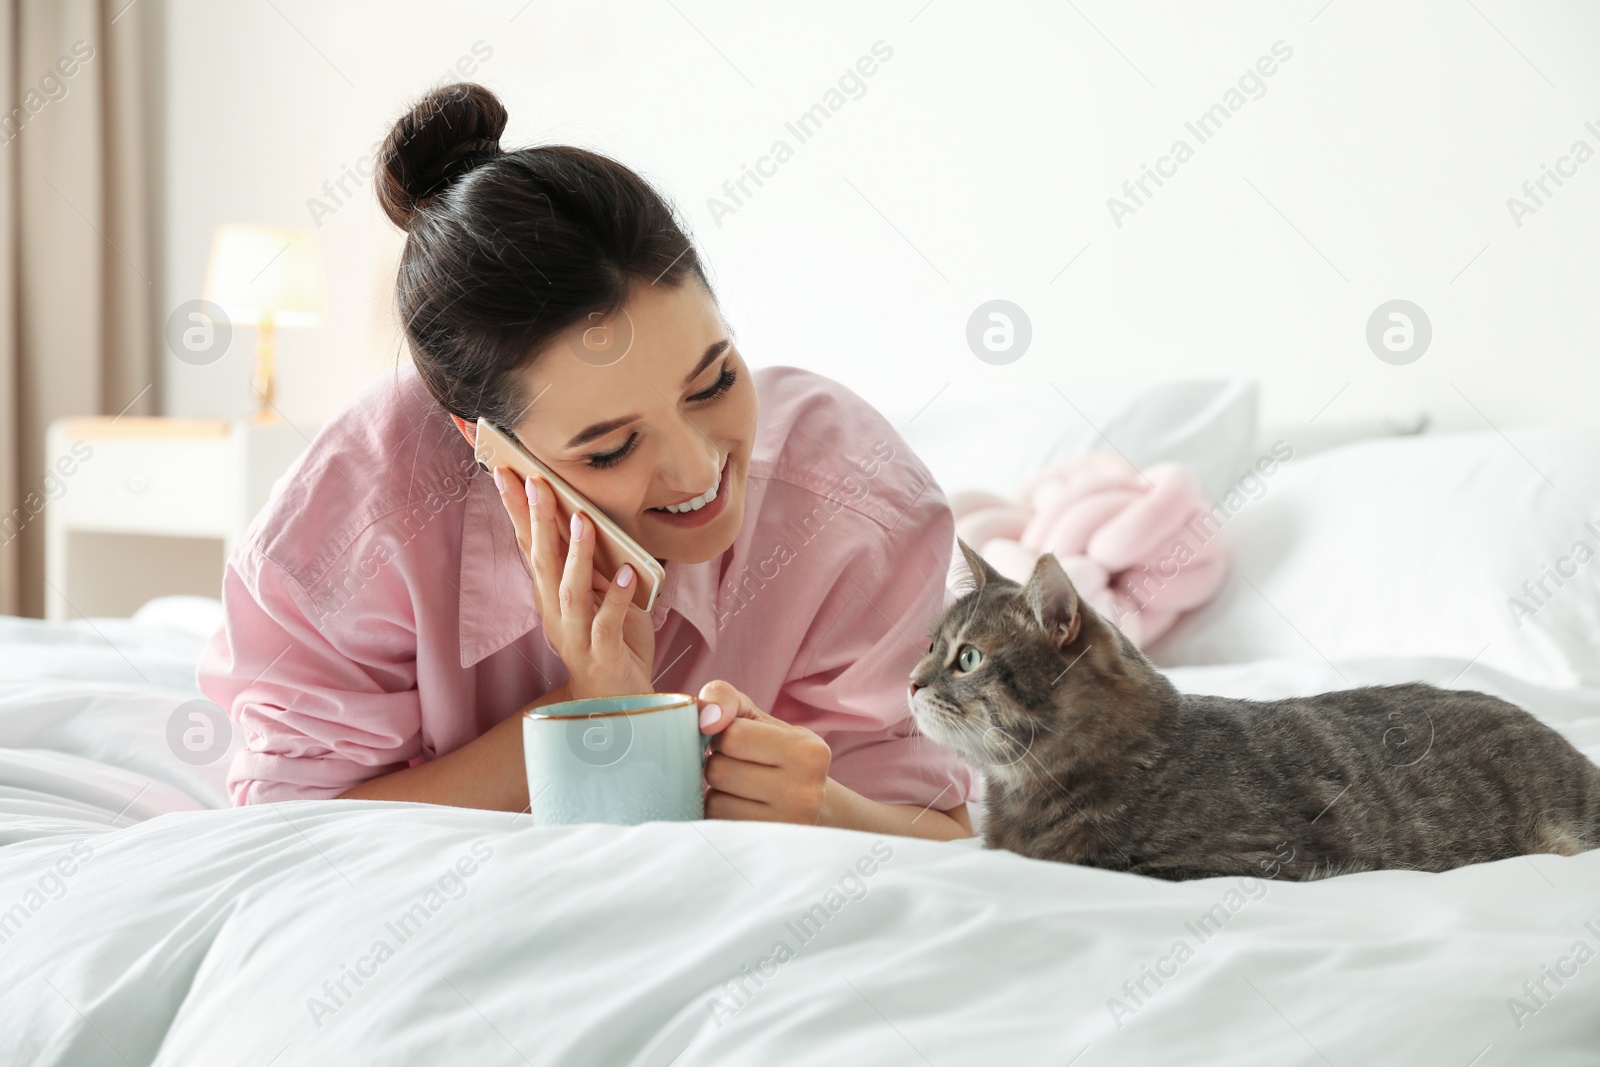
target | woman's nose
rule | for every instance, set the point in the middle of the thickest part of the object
(697, 469)
(692, 484)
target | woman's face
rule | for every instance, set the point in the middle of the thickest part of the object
(648, 408)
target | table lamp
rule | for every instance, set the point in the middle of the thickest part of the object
(266, 277)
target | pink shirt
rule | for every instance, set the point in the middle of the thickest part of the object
(379, 613)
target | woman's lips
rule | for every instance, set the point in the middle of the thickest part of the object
(690, 519)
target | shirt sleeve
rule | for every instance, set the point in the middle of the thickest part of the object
(324, 702)
(871, 632)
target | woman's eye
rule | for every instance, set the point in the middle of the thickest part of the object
(601, 460)
(969, 659)
(724, 382)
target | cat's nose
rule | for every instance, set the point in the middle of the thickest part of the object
(914, 686)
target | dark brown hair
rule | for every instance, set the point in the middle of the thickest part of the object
(507, 249)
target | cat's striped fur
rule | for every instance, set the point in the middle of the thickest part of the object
(1092, 756)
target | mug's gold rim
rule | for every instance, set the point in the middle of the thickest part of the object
(687, 699)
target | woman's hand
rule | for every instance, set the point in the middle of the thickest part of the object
(607, 644)
(760, 767)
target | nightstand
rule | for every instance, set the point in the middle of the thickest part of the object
(145, 507)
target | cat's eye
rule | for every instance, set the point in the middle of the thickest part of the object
(969, 659)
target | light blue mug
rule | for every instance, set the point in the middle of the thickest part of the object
(624, 759)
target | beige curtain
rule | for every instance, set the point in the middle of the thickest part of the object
(77, 299)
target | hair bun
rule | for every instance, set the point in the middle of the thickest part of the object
(447, 133)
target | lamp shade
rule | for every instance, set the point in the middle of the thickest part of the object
(267, 274)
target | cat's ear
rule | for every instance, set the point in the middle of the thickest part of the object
(982, 573)
(1052, 599)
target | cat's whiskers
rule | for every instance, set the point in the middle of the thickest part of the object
(968, 731)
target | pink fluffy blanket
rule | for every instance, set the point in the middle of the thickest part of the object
(1141, 548)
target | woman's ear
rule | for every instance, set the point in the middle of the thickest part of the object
(469, 430)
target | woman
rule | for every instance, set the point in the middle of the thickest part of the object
(385, 621)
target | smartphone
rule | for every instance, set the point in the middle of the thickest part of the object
(612, 547)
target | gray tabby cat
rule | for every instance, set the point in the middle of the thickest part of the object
(1091, 756)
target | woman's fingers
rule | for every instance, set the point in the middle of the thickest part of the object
(769, 743)
(577, 580)
(743, 778)
(730, 704)
(606, 634)
(545, 556)
(514, 495)
(518, 496)
(720, 805)
(586, 615)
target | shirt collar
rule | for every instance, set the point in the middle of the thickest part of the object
(496, 586)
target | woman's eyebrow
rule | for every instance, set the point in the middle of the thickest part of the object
(600, 429)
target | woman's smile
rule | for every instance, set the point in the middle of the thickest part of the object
(697, 511)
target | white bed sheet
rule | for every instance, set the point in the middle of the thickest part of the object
(192, 936)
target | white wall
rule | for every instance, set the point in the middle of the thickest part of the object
(977, 164)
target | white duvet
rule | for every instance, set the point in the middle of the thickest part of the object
(144, 922)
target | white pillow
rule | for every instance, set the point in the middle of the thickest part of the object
(1312, 437)
(196, 615)
(998, 439)
(1209, 426)
(1415, 546)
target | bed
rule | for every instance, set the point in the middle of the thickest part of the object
(144, 921)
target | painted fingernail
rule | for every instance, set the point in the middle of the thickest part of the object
(577, 526)
(499, 482)
(532, 490)
(625, 575)
(710, 714)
